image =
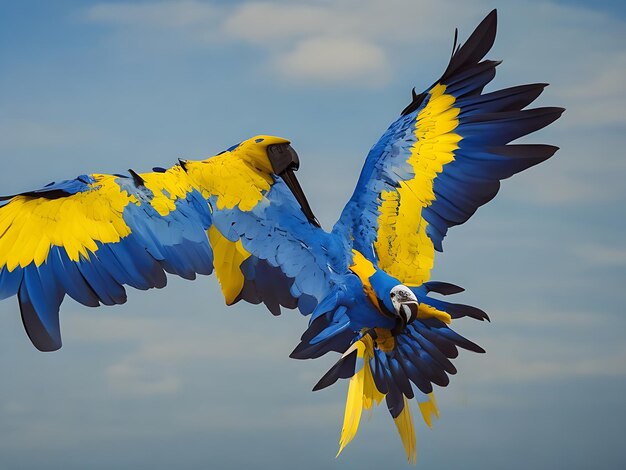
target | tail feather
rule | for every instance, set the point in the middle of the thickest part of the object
(429, 409)
(404, 425)
(397, 366)
(362, 393)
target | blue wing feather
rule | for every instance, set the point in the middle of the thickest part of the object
(486, 123)
(290, 259)
(10, 281)
(176, 242)
(39, 305)
(71, 279)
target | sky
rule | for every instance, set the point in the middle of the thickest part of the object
(173, 378)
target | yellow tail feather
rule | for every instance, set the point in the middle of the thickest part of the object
(362, 393)
(429, 408)
(404, 424)
(354, 407)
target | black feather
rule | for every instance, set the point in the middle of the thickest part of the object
(343, 369)
(138, 180)
(476, 47)
(443, 288)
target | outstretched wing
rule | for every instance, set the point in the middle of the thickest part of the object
(91, 236)
(442, 159)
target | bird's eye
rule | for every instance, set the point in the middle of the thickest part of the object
(393, 294)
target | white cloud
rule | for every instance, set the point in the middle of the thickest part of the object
(158, 343)
(335, 60)
(347, 41)
(540, 344)
(337, 42)
(535, 317)
(599, 94)
(160, 346)
(524, 360)
(263, 22)
(560, 185)
(601, 255)
(130, 379)
(587, 170)
(393, 20)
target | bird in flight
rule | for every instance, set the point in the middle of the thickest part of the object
(365, 285)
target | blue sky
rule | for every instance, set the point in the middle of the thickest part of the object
(175, 379)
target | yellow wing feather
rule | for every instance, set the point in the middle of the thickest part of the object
(228, 257)
(404, 249)
(167, 188)
(74, 222)
(30, 226)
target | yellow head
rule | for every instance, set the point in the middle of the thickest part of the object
(248, 168)
(254, 151)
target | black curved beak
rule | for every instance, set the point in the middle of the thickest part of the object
(285, 163)
(409, 311)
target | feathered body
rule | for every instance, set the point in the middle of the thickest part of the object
(365, 285)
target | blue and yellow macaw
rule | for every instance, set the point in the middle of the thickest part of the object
(365, 285)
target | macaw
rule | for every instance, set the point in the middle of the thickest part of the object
(365, 285)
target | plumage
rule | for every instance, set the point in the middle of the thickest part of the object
(365, 285)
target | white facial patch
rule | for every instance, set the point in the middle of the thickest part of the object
(400, 294)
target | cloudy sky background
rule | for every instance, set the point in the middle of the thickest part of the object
(175, 379)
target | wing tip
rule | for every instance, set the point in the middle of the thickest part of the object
(44, 338)
(477, 45)
(473, 50)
